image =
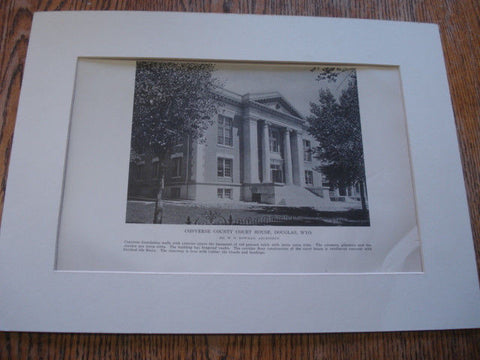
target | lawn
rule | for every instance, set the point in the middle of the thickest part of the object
(188, 212)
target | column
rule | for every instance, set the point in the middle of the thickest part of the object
(297, 154)
(250, 151)
(287, 157)
(266, 154)
(198, 154)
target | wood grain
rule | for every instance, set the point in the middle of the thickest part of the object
(459, 23)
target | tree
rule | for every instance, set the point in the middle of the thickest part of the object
(173, 102)
(335, 124)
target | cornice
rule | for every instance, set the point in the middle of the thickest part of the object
(254, 104)
(223, 96)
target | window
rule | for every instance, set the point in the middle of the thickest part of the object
(139, 171)
(307, 150)
(155, 169)
(274, 137)
(225, 194)
(224, 168)
(308, 177)
(175, 193)
(177, 167)
(178, 141)
(277, 173)
(225, 134)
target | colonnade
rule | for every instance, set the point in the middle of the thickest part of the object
(292, 153)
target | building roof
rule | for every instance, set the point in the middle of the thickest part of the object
(270, 101)
(276, 100)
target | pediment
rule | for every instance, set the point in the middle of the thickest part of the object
(277, 102)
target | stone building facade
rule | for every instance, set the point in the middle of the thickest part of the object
(257, 149)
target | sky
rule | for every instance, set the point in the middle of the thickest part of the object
(297, 83)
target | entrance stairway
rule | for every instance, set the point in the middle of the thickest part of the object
(297, 196)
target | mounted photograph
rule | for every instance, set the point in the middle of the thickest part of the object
(258, 191)
(246, 144)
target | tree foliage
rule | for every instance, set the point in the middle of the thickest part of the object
(173, 101)
(335, 124)
(330, 73)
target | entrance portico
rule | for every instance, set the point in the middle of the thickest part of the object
(280, 149)
(272, 151)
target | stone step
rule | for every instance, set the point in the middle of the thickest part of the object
(291, 195)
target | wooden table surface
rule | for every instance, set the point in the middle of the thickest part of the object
(459, 22)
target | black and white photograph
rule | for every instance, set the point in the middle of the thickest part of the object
(246, 144)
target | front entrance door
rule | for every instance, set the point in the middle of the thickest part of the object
(277, 173)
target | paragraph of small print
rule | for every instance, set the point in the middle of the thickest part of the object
(238, 248)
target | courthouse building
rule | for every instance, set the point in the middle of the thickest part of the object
(256, 150)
